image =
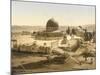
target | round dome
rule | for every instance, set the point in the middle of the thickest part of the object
(51, 25)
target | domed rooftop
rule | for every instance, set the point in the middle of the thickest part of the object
(51, 25)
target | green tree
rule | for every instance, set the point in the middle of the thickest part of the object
(68, 30)
(73, 31)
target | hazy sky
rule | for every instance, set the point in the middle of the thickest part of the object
(32, 13)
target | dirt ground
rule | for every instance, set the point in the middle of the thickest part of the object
(25, 63)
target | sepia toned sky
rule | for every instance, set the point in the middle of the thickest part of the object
(36, 14)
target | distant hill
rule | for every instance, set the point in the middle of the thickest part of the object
(90, 27)
(27, 28)
(41, 28)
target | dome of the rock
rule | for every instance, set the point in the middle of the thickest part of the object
(51, 25)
